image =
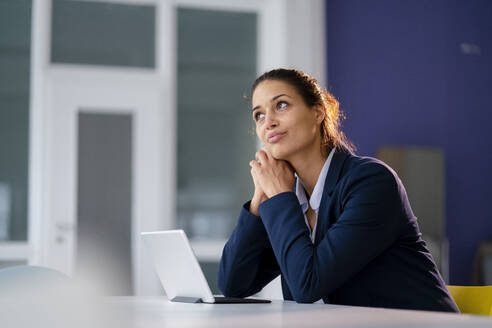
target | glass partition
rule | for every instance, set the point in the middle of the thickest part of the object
(15, 39)
(216, 66)
(104, 33)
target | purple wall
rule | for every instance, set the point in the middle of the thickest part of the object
(401, 77)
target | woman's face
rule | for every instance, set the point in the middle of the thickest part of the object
(284, 123)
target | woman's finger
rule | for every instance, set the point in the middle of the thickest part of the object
(254, 164)
(261, 156)
(267, 152)
(254, 172)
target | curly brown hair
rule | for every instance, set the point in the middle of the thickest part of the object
(314, 95)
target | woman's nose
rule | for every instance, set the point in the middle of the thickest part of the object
(270, 121)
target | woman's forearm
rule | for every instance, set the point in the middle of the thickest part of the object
(247, 262)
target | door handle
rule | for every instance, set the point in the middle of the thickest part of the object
(64, 227)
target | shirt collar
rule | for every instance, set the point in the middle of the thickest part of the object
(315, 199)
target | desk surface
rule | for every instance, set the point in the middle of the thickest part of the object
(159, 312)
(132, 312)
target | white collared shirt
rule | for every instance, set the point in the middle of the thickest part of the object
(315, 199)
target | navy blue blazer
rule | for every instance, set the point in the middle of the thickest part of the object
(368, 249)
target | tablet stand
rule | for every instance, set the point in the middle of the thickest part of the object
(186, 299)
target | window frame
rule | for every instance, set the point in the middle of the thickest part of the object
(280, 44)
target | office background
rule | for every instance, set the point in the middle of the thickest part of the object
(124, 116)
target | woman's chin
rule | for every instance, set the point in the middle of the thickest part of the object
(277, 152)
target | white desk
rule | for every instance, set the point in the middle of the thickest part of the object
(159, 312)
(132, 312)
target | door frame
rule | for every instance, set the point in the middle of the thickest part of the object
(153, 196)
(68, 94)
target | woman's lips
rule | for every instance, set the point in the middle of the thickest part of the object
(276, 137)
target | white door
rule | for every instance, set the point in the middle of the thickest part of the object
(107, 175)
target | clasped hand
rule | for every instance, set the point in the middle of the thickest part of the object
(271, 176)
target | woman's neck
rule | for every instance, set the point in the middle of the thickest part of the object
(308, 166)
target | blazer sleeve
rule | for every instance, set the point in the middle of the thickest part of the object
(367, 225)
(248, 263)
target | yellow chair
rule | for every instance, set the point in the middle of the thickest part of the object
(473, 299)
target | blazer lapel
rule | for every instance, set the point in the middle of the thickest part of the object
(332, 177)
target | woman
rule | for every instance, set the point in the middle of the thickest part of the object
(336, 226)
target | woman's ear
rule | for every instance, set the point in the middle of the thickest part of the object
(320, 114)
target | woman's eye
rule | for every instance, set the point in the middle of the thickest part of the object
(281, 104)
(258, 116)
